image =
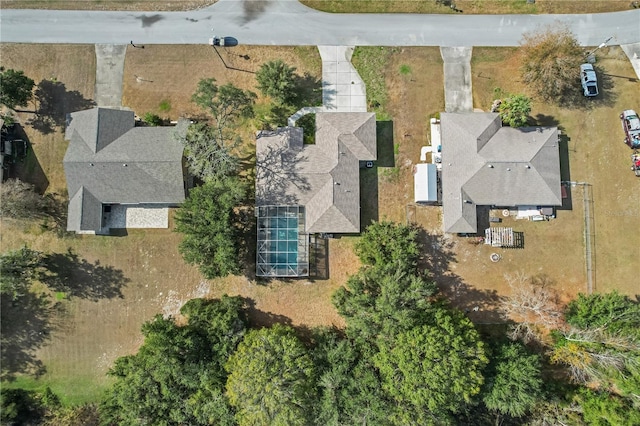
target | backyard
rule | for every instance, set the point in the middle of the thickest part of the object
(88, 333)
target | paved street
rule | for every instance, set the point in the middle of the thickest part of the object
(286, 22)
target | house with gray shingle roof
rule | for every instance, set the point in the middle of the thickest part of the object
(321, 180)
(485, 164)
(119, 175)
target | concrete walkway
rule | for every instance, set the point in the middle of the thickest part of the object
(633, 52)
(109, 71)
(342, 88)
(457, 79)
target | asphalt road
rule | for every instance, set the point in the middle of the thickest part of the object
(287, 22)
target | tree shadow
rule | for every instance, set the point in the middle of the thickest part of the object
(29, 169)
(606, 96)
(54, 103)
(276, 169)
(308, 90)
(25, 324)
(76, 277)
(481, 306)
(258, 318)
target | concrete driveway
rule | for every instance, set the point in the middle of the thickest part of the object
(342, 88)
(109, 71)
(286, 22)
(457, 79)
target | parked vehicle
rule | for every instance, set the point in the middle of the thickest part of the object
(589, 80)
(631, 128)
(13, 150)
(217, 41)
(635, 163)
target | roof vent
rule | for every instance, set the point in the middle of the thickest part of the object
(90, 164)
(527, 166)
(124, 165)
(336, 183)
(490, 166)
(508, 169)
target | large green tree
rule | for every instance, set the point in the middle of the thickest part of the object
(349, 386)
(435, 368)
(277, 80)
(389, 294)
(513, 381)
(551, 59)
(15, 88)
(177, 376)
(378, 304)
(389, 245)
(271, 379)
(209, 223)
(208, 155)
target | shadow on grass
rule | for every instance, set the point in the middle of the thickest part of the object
(29, 169)
(54, 103)
(26, 323)
(368, 196)
(308, 90)
(437, 262)
(384, 134)
(76, 277)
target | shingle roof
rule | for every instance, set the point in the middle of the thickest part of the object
(323, 177)
(484, 163)
(117, 163)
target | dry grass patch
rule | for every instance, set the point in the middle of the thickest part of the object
(468, 6)
(143, 5)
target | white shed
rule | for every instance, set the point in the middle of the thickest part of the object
(425, 183)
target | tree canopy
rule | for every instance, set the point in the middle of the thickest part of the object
(226, 104)
(277, 80)
(388, 294)
(18, 269)
(21, 201)
(208, 155)
(177, 376)
(514, 110)
(513, 381)
(208, 221)
(551, 59)
(436, 367)
(271, 379)
(602, 345)
(15, 88)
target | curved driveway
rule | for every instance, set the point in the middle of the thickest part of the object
(287, 22)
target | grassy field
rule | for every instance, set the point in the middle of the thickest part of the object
(468, 6)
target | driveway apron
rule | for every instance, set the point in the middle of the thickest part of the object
(109, 71)
(457, 79)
